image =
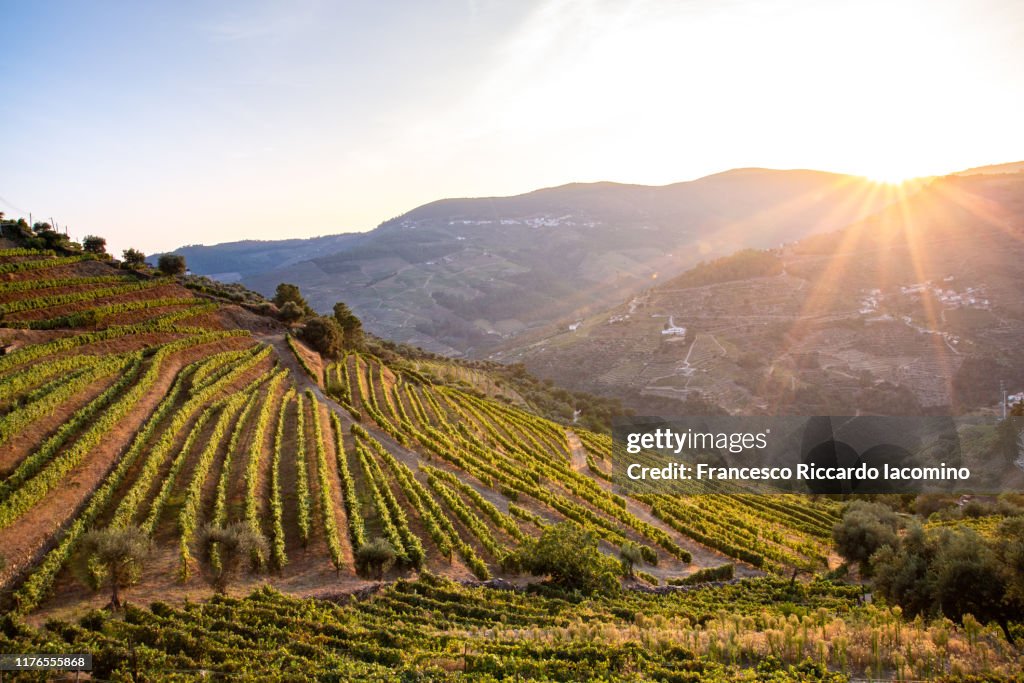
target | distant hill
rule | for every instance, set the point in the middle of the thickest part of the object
(1012, 167)
(915, 309)
(460, 276)
(232, 261)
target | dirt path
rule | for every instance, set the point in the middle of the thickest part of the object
(579, 454)
(288, 360)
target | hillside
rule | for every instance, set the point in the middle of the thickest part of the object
(458, 276)
(1012, 167)
(916, 309)
(130, 401)
(131, 404)
(237, 260)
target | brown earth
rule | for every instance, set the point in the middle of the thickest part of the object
(25, 541)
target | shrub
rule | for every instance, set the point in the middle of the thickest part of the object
(375, 558)
(723, 572)
(864, 528)
(94, 245)
(171, 264)
(351, 327)
(288, 293)
(290, 312)
(630, 555)
(324, 335)
(954, 572)
(569, 555)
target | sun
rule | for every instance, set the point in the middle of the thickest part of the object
(894, 173)
(891, 176)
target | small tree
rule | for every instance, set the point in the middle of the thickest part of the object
(286, 292)
(351, 326)
(324, 335)
(570, 556)
(375, 558)
(224, 551)
(171, 264)
(95, 245)
(112, 556)
(864, 529)
(630, 555)
(1010, 548)
(133, 258)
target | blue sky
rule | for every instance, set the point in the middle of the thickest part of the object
(161, 124)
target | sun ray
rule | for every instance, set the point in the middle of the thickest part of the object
(822, 295)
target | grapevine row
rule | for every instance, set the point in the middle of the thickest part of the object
(356, 530)
(23, 266)
(54, 283)
(158, 453)
(96, 315)
(36, 351)
(324, 481)
(303, 498)
(47, 399)
(437, 524)
(277, 544)
(255, 453)
(462, 511)
(39, 582)
(36, 374)
(188, 516)
(393, 519)
(79, 296)
(33, 490)
(42, 455)
(302, 359)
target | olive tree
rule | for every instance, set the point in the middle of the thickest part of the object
(113, 556)
(171, 264)
(224, 551)
(864, 528)
(375, 557)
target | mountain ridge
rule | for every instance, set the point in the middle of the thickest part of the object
(462, 275)
(912, 309)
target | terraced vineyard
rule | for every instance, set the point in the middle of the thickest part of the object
(126, 401)
(516, 458)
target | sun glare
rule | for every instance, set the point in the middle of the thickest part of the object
(894, 175)
(899, 171)
(889, 178)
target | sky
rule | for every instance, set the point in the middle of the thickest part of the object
(164, 124)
